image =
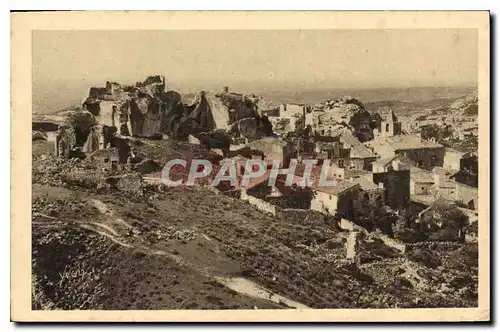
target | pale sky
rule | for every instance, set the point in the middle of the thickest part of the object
(313, 58)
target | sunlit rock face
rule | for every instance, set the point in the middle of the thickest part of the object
(231, 112)
(345, 112)
(146, 109)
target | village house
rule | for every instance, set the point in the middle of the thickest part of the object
(347, 151)
(50, 129)
(334, 151)
(427, 186)
(393, 163)
(114, 89)
(336, 200)
(288, 110)
(360, 157)
(421, 181)
(424, 154)
(390, 141)
(443, 185)
(106, 160)
(466, 131)
(459, 160)
(295, 196)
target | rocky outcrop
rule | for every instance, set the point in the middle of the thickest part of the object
(146, 110)
(137, 110)
(346, 112)
(467, 106)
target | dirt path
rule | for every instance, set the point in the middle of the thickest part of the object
(240, 285)
(250, 288)
(116, 229)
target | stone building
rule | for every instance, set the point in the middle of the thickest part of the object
(113, 88)
(334, 151)
(390, 141)
(395, 163)
(288, 110)
(421, 181)
(444, 186)
(424, 154)
(294, 116)
(360, 157)
(49, 129)
(352, 154)
(390, 126)
(336, 200)
(459, 160)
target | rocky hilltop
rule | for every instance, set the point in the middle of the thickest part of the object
(467, 106)
(346, 112)
(146, 110)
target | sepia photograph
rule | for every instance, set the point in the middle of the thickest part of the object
(304, 162)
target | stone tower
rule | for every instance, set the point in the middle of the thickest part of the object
(390, 126)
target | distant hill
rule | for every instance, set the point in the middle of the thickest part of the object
(57, 96)
(369, 95)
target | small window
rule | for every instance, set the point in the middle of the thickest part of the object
(341, 163)
(387, 127)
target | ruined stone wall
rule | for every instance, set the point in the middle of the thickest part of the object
(388, 241)
(146, 117)
(397, 188)
(346, 202)
(259, 203)
(108, 113)
(297, 214)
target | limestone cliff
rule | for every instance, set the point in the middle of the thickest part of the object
(146, 110)
(235, 113)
